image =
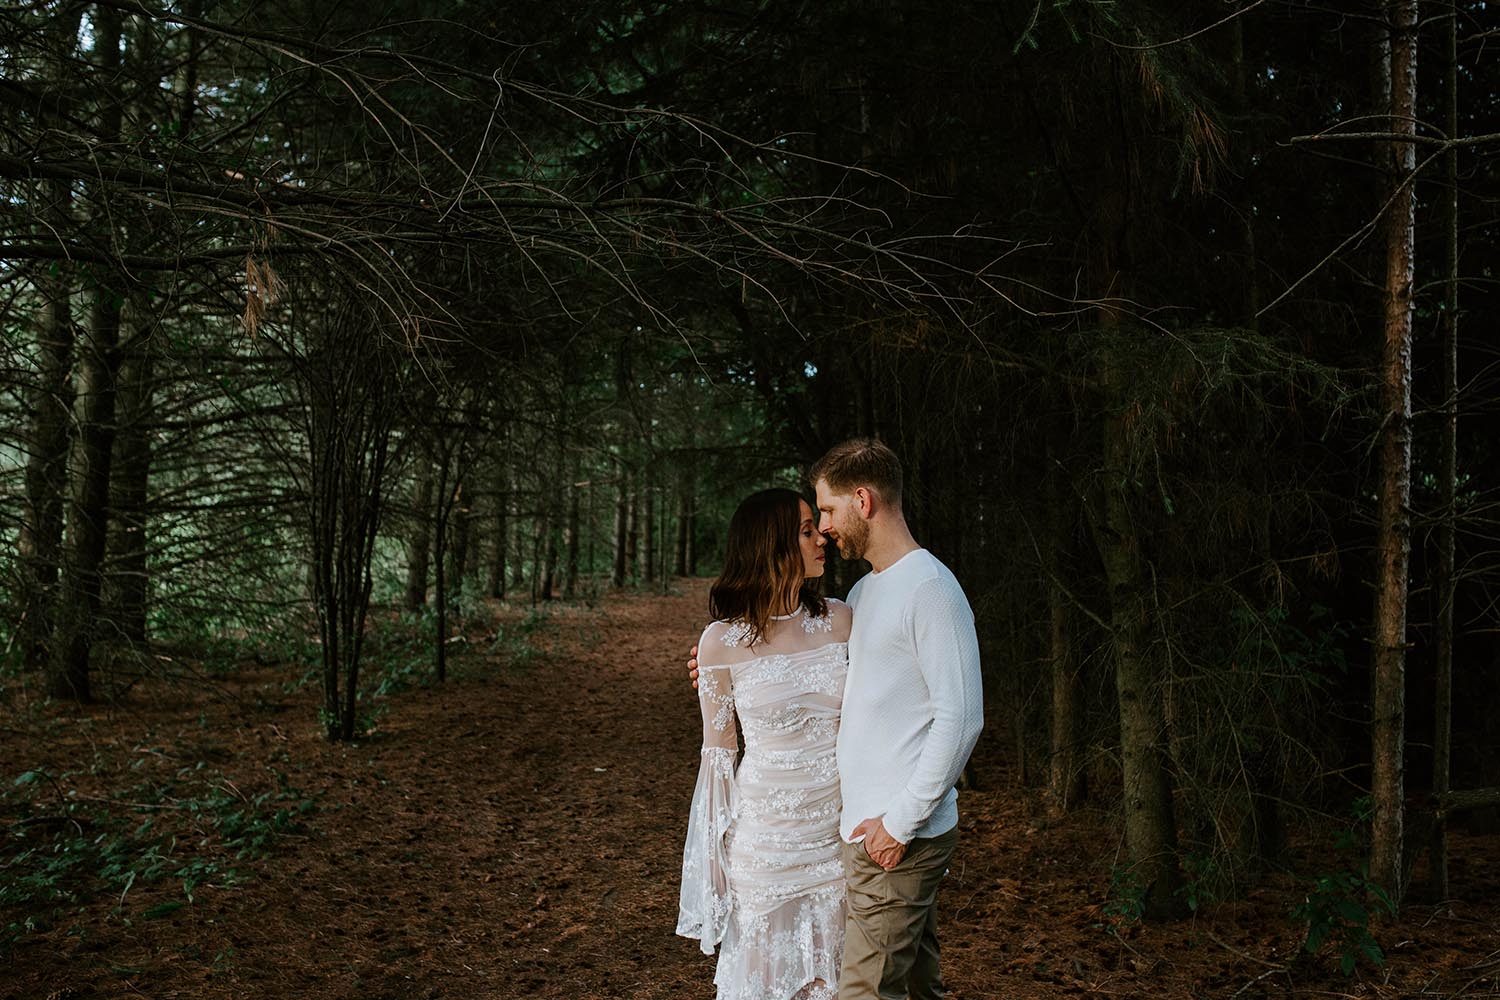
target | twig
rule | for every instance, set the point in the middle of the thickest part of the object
(1245, 955)
(1264, 975)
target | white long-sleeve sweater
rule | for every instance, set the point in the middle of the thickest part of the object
(913, 700)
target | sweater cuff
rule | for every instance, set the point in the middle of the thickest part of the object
(902, 821)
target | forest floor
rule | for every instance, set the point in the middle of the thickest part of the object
(516, 832)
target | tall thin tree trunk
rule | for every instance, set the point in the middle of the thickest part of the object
(1442, 728)
(1065, 783)
(648, 526)
(1393, 540)
(127, 584)
(502, 536)
(692, 531)
(74, 630)
(622, 517)
(419, 539)
(462, 517)
(518, 548)
(40, 543)
(88, 511)
(1150, 822)
(570, 568)
(679, 559)
(549, 573)
(633, 535)
(439, 558)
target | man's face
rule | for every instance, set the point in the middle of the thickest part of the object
(839, 518)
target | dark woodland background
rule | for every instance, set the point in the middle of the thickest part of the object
(323, 321)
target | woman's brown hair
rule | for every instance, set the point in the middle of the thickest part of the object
(763, 567)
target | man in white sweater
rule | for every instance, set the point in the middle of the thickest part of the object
(913, 708)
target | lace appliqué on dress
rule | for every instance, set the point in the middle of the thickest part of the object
(812, 626)
(736, 634)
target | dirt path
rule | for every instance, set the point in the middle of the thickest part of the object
(517, 833)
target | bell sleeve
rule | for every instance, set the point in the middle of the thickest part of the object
(703, 910)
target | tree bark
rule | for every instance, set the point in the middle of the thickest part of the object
(570, 568)
(419, 538)
(622, 516)
(87, 524)
(40, 543)
(502, 533)
(127, 582)
(1150, 822)
(445, 504)
(88, 510)
(679, 558)
(1393, 540)
(1065, 775)
(633, 535)
(648, 527)
(1066, 785)
(462, 515)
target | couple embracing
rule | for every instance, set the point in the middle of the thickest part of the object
(814, 864)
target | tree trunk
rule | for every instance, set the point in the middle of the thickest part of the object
(1065, 784)
(518, 550)
(419, 540)
(1393, 541)
(445, 503)
(679, 559)
(461, 518)
(549, 572)
(40, 543)
(88, 511)
(1446, 584)
(502, 529)
(1065, 775)
(692, 532)
(648, 528)
(570, 570)
(622, 517)
(127, 581)
(633, 537)
(1150, 821)
(74, 630)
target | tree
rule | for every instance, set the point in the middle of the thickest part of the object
(1398, 54)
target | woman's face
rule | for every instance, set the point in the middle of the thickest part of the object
(812, 542)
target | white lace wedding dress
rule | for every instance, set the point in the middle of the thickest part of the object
(761, 874)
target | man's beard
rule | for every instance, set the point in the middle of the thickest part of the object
(854, 538)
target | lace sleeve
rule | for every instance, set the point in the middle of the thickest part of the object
(703, 908)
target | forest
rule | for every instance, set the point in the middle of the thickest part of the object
(377, 381)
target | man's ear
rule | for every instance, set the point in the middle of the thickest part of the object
(866, 500)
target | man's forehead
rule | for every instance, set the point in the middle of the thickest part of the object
(825, 493)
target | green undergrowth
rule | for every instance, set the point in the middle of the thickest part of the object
(62, 849)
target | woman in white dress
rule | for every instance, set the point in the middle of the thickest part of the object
(761, 875)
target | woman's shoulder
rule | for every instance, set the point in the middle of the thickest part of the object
(841, 616)
(721, 643)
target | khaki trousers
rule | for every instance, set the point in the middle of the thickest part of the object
(890, 940)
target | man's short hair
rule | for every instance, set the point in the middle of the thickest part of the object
(860, 462)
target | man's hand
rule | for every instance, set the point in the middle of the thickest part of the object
(693, 665)
(883, 849)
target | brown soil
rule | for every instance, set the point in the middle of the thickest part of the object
(517, 833)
